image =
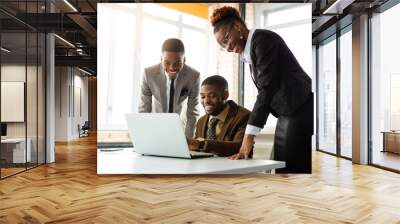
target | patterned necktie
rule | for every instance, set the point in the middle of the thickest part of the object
(171, 97)
(211, 132)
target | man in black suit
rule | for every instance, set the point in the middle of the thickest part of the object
(284, 89)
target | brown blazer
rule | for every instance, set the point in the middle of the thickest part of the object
(230, 139)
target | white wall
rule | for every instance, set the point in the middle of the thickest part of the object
(70, 83)
(61, 103)
(79, 117)
(33, 126)
(16, 73)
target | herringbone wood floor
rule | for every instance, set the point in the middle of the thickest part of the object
(70, 191)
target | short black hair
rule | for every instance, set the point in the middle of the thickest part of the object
(216, 80)
(174, 45)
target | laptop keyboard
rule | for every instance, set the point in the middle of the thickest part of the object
(195, 154)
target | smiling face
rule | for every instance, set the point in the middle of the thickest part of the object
(213, 99)
(172, 62)
(228, 37)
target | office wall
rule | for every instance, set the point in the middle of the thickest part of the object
(80, 105)
(12, 98)
(62, 81)
(13, 73)
(92, 107)
(71, 102)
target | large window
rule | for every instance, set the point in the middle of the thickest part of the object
(327, 96)
(115, 73)
(346, 93)
(293, 23)
(335, 73)
(385, 87)
(130, 39)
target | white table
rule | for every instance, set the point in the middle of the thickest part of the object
(19, 154)
(127, 161)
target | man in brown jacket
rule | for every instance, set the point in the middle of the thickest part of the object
(221, 130)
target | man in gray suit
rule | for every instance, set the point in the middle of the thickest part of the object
(166, 85)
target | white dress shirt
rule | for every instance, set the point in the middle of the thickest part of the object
(245, 55)
(246, 58)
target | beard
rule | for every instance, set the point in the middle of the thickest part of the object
(213, 109)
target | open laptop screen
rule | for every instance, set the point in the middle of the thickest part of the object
(3, 129)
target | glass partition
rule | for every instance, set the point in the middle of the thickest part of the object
(31, 99)
(327, 96)
(13, 105)
(22, 91)
(385, 89)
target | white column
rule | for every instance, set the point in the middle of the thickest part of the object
(63, 112)
(50, 99)
(360, 90)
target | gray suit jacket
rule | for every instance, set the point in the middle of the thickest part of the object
(153, 97)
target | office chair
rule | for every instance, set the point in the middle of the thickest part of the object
(84, 130)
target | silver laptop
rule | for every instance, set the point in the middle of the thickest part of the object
(160, 134)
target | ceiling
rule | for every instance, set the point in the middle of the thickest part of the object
(76, 22)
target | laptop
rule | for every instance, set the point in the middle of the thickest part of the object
(160, 134)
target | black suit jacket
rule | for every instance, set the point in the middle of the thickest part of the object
(282, 84)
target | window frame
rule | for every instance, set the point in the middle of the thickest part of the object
(334, 37)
